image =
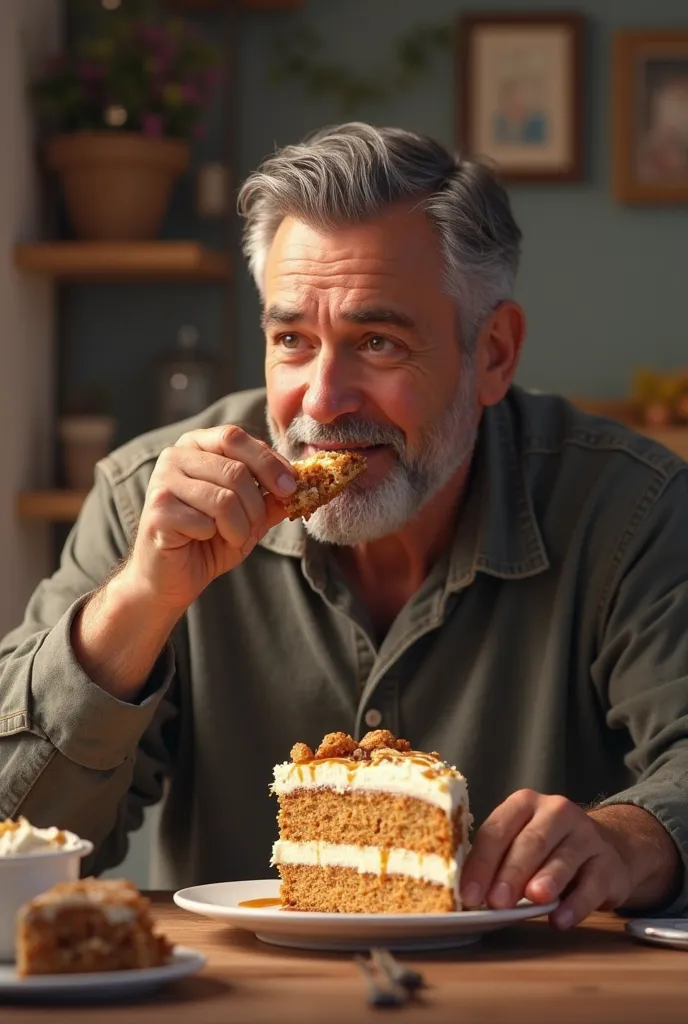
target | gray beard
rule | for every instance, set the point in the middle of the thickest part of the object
(361, 514)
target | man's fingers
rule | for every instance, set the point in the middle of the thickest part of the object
(552, 826)
(219, 504)
(491, 843)
(183, 523)
(272, 471)
(588, 892)
(552, 878)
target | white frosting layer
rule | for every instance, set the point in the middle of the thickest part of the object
(432, 781)
(425, 867)
(115, 913)
(22, 838)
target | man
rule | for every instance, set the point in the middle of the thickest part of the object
(505, 584)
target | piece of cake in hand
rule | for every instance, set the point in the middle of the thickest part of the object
(85, 926)
(320, 478)
(370, 827)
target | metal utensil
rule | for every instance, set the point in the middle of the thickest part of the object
(398, 974)
(380, 995)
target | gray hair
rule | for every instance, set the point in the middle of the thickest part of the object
(349, 173)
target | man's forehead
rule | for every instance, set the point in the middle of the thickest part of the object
(364, 253)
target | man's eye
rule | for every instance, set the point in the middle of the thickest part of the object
(288, 341)
(377, 343)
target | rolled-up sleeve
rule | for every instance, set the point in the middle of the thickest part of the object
(641, 672)
(71, 754)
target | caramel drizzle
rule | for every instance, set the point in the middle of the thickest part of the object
(264, 901)
(434, 768)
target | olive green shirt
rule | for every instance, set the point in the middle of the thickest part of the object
(547, 649)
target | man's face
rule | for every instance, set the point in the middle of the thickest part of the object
(363, 352)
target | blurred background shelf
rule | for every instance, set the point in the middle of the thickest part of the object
(55, 506)
(245, 5)
(626, 411)
(122, 261)
(62, 506)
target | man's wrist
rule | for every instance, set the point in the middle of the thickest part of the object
(119, 633)
(653, 859)
(126, 596)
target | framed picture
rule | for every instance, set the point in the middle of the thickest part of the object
(650, 116)
(520, 81)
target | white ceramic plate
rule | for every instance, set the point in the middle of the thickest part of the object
(222, 900)
(104, 985)
(671, 931)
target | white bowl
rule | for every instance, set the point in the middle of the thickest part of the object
(25, 875)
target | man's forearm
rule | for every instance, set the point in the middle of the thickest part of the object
(118, 636)
(648, 849)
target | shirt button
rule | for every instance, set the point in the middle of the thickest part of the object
(372, 718)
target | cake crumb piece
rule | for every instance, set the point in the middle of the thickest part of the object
(336, 744)
(301, 753)
(377, 738)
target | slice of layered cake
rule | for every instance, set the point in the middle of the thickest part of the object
(89, 925)
(370, 827)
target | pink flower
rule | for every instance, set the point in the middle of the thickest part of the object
(152, 36)
(212, 78)
(152, 125)
(90, 71)
(57, 64)
(190, 92)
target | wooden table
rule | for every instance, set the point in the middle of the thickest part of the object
(527, 974)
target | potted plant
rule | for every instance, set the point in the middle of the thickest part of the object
(120, 111)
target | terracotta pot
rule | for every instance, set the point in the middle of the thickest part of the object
(85, 440)
(116, 184)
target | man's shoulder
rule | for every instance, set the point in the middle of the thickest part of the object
(549, 424)
(134, 461)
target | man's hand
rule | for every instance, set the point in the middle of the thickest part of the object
(210, 499)
(544, 847)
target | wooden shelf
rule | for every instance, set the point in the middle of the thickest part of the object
(122, 261)
(58, 506)
(245, 5)
(63, 506)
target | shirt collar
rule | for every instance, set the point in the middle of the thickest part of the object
(497, 530)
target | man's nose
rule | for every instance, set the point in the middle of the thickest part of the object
(331, 390)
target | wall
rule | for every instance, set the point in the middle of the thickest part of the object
(28, 28)
(603, 285)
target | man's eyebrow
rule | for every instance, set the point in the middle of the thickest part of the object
(378, 315)
(280, 315)
(286, 315)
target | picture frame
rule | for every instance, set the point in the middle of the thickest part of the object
(520, 84)
(650, 116)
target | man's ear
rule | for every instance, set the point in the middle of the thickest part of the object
(498, 348)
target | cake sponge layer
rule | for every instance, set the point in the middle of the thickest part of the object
(345, 890)
(369, 819)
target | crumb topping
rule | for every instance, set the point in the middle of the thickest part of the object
(320, 478)
(378, 745)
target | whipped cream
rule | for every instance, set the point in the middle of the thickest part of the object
(425, 867)
(21, 837)
(419, 776)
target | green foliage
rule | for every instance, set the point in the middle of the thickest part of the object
(129, 71)
(297, 59)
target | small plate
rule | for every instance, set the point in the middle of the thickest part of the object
(663, 931)
(345, 932)
(101, 985)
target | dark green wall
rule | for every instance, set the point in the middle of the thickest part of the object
(604, 286)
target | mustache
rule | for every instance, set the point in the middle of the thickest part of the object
(346, 430)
